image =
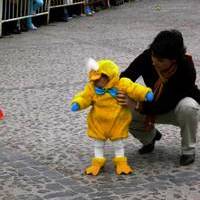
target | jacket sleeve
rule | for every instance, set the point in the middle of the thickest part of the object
(84, 98)
(134, 90)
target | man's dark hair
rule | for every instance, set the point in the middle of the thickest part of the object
(168, 44)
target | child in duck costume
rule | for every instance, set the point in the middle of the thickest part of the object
(107, 119)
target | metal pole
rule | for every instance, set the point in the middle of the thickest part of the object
(48, 10)
(1, 15)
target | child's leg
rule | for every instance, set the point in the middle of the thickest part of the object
(119, 148)
(99, 149)
(120, 160)
(98, 161)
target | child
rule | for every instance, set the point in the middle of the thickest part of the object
(107, 119)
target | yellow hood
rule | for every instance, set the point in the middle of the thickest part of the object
(107, 67)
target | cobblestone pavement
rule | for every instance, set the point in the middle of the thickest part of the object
(41, 155)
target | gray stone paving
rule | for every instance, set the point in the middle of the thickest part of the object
(41, 154)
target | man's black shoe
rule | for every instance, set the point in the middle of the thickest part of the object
(150, 147)
(187, 159)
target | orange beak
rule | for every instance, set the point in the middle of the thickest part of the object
(94, 75)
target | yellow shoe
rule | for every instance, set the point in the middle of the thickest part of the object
(97, 164)
(121, 166)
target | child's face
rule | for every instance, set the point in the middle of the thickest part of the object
(102, 81)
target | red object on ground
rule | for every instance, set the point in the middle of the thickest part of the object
(1, 115)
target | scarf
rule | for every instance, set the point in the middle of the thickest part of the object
(163, 77)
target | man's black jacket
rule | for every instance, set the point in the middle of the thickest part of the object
(180, 85)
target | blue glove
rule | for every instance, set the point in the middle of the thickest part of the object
(74, 107)
(149, 96)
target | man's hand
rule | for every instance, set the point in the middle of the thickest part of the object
(124, 100)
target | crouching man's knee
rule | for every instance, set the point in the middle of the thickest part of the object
(187, 109)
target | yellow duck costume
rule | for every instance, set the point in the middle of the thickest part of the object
(107, 119)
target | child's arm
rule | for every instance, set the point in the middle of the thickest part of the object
(75, 107)
(136, 91)
(149, 96)
(82, 99)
